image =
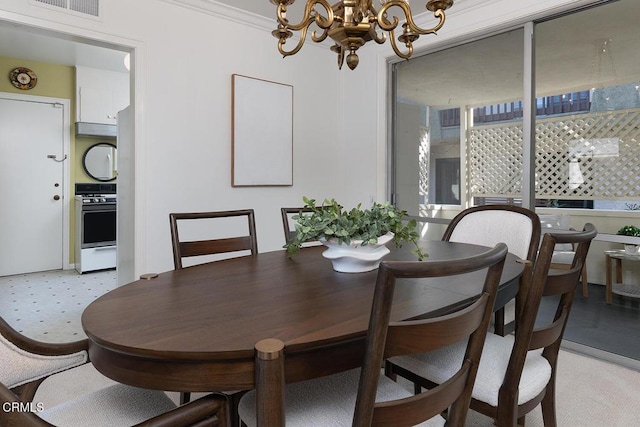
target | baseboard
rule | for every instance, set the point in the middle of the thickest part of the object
(601, 355)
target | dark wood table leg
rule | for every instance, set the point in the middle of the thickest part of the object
(608, 272)
(270, 383)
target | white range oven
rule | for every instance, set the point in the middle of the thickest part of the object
(95, 227)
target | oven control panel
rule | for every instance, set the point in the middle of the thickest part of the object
(96, 199)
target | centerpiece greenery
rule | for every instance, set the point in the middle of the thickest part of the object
(629, 230)
(330, 221)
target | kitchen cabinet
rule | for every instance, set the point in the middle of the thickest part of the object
(100, 94)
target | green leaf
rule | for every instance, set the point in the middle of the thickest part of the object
(331, 220)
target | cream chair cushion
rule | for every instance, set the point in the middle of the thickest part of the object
(328, 401)
(69, 384)
(116, 405)
(439, 365)
(20, 367)
(480, 228)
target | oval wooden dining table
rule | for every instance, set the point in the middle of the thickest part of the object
(194, 329)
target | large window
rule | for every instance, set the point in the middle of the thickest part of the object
(434, 93)
(591, 158)
(467, 103)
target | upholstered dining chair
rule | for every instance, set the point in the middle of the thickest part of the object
(516, 226)
(364, 397)
(516, 373)
(27, 364)
(183, 249)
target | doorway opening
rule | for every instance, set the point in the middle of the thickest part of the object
(29, 43)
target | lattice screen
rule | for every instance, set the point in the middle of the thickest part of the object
(423, 154)
(495, 157)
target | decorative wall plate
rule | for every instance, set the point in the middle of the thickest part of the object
(23, 78)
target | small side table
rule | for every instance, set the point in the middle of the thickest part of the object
(618, 287)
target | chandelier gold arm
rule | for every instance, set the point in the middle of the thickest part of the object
(310, 15)
(397, 50)
(283, 40)
(386, 25)
(380, 39)
(321, 37)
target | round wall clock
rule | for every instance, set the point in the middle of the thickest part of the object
(23, 78)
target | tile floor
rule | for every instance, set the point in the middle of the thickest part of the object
(48, 305)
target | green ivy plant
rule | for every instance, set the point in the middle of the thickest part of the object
(331, 221)
(629, 230)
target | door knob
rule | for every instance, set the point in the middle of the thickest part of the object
(56, 197)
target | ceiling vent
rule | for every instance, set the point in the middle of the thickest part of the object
(84, 7)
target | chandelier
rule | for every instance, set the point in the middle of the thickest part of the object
(352, 23)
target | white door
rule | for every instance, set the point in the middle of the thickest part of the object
(31, 186)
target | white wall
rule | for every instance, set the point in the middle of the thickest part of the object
(183, 66)
(184, 58)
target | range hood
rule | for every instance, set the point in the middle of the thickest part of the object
(96, 129)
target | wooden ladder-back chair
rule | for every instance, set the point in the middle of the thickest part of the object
(562, 259)
(516, 226)
(364, 397)
(183, 249)
(286, 214)
(564, 252)
(516, 373)
(26, 364)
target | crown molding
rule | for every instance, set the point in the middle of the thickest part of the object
(227, 12)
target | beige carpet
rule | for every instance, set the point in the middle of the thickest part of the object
(590, 393)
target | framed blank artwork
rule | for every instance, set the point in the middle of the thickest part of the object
(262, 132)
